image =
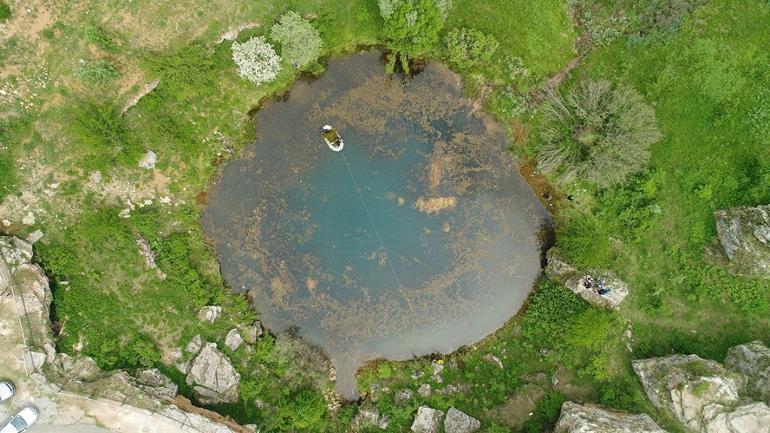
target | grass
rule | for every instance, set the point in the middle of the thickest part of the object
(707, 82)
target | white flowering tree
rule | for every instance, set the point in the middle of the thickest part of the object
(256, 60)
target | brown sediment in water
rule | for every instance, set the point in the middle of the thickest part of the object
(435, 204)
(331, 243)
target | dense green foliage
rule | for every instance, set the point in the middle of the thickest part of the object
(5, 11)
(100, 37)
(597, 132)
(94, 71)
(411, 28)
(467, 48)
(300, 42)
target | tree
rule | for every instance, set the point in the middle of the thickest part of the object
(597, 132)
(300, 41)
(412, 27)
(469, 47)
(256, 60)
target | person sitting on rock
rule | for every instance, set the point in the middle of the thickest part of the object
(588, 282)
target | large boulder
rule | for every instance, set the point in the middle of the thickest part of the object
(744, 233)
(687, 384)
(213, 377)
(427, 420)
(369, 416)
(459, 422)
(753, 361)
(572, 278)
(705, 396)
(750, 418)
(577, 418)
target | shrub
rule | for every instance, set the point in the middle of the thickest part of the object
(597, 132)
(99, 37)
(94, 71)
(467, 48)
(299, 40)
(256, 60)
(5, 11)
(104, 131)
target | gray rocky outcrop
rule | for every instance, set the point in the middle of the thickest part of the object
(148, 160)
(574, 278)
(369, 416)
(210, 313)
(753, 361)
(233, 340)
(427, 420)
(252, 332)
(578, 418)
(458, 422)
(744, 233)
(148, 389)
(403, 397)
(213, 377)
(704, 395)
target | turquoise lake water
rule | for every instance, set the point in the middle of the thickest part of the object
(419, 237)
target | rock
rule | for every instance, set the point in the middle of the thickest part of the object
(148, 160)
(576, 418)
(369, 416)
(147, 88)
(750, 418)
(31, 293)
(438, 367)
(427, 420)
(155, 383)
(252, 332)
(146, 252)
(458, 422)
(34, 236)
(213, 377)
(402, 397)
(210, 313)
(744, 233)
(753, 361)
(572, 278)
(28, 219)
(233, 340)
(492, 359)
(195, 345)
(697, 392)
(424, 390)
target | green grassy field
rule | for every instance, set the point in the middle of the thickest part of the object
(73, 68)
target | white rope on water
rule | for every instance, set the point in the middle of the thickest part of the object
(371, 220)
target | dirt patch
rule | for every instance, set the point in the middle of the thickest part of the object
(518, 407)
(187, 406)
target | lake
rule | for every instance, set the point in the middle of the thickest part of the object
(419, 237)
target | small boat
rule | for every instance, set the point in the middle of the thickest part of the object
(332, 138)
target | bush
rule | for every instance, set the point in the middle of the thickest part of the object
(597, 132)
(99, 37)
(299, 40)
(5, 11)
(101, 128)
(467, 48)
(256, 60)
(94, 71)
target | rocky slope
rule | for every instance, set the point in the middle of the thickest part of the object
(147, 395)
(744, 233)
(707, 397)
(577, 418)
